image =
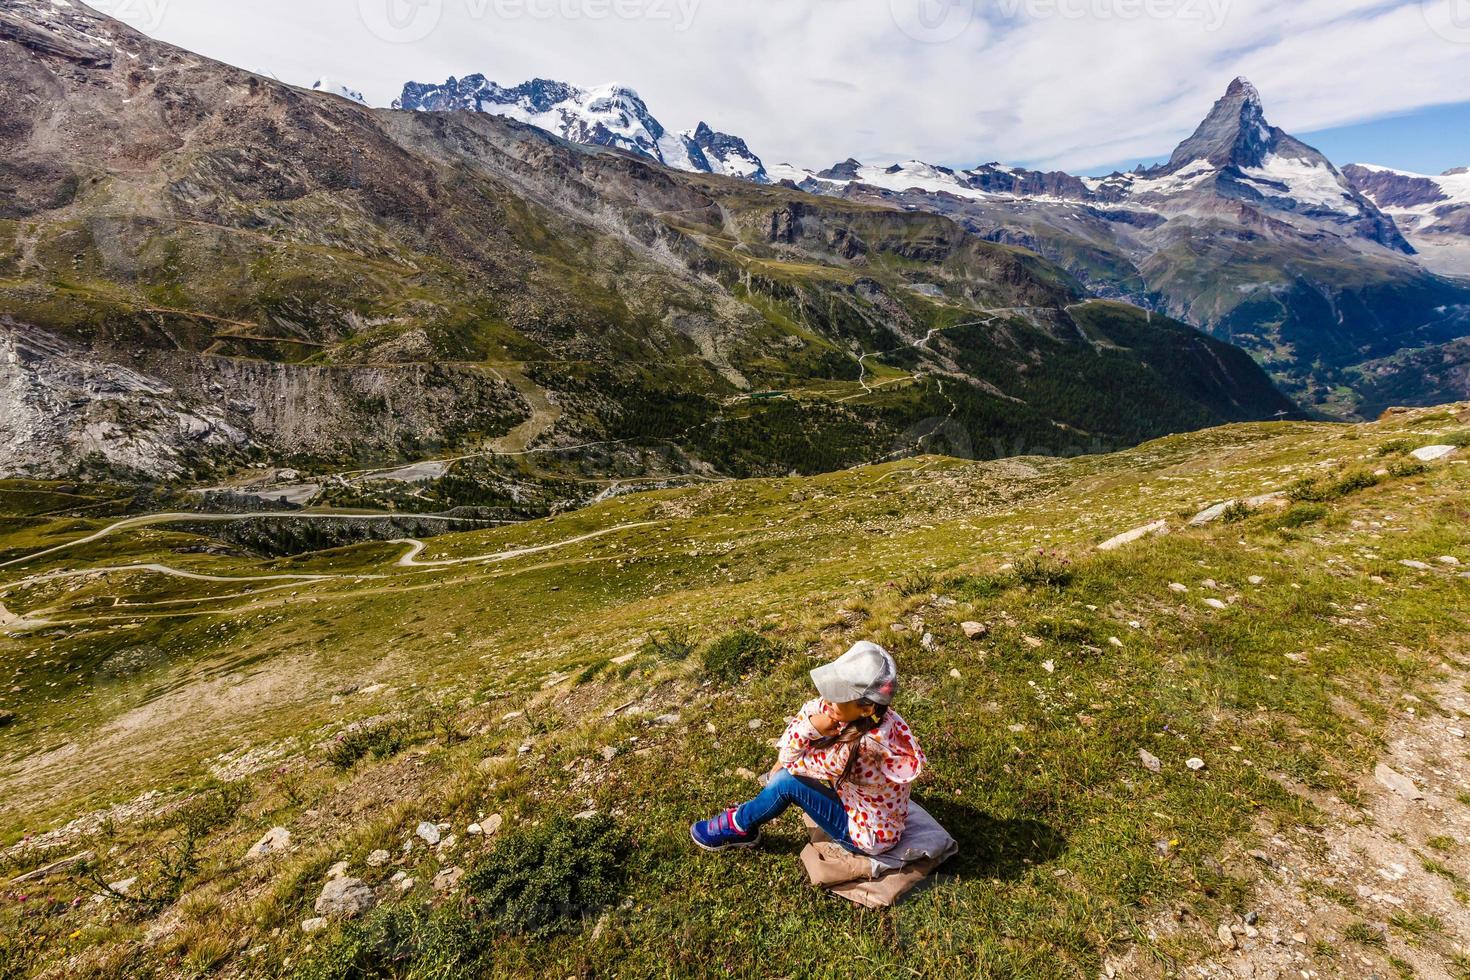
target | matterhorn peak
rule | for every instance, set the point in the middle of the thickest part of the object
(1241, 88)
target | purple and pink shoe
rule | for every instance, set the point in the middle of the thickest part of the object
(719, 833)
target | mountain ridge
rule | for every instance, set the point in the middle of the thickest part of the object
(349, 288)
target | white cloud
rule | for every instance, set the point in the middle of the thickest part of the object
(1063, 83)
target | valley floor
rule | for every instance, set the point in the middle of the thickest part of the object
(172, 698)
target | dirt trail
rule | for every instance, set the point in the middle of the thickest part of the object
(1381, 888)
(174, 518)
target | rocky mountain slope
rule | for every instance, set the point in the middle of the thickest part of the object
(281, 275)
(1245, 231)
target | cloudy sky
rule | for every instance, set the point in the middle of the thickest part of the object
(1075, 84)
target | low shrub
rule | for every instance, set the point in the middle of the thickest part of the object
(402, 941)
(916, 583)
(1394, 447)
(736, 654)
(1401, 468)
(1302, 515)
(382, 741)
(675, 643)
(542, 879)
(1237, 511)
(1323, 489)
(1045, 569)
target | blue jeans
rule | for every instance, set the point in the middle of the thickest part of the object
(819, 800)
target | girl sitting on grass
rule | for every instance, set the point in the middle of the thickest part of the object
(847, 759)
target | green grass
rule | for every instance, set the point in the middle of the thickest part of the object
(502, 676)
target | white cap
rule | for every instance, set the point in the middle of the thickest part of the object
(864, 672)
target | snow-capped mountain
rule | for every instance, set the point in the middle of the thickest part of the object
(325, 84)
(1432, 212)
(1245, 230)
(1234, 156)
(607, 115)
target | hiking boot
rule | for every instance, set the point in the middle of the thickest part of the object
(719, 832)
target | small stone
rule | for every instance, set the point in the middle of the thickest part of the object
(954, 672)
(1397, 782)
(1251, 918)
(124, 886)
(1216, 603)
(474, 830)
(314, 924)
(975, 631)
(276, 840)
(1428, 454)
(405, 884)
(754, 724)
(897, 628)
(378, 858)
(1300, 938)
(1448, 560)
(1150, 761)
(491, 824)
(1257, 580)
(609, 753)
(585, 815)
(1226, 935)
(338, 870)
(345, 898)
(1050, 666)
(447, 880)
(1179, 587)
(428, 832)
(669, 719)
(1114, 641)
(1417, 566)
(928, 641)
(1195, 764)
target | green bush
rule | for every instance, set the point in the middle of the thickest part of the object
(675, 643)
(1401, 468)
(736, 654)
(1237, 511)
(1394, 447)
(381, 741)
(1323, 489)
(540, 880)
(1302, 515)
(403, 941)
(1045, 569)
(916, 583)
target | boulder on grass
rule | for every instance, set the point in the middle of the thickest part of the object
(345, 898)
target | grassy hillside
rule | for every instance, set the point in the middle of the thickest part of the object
(560, 667)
